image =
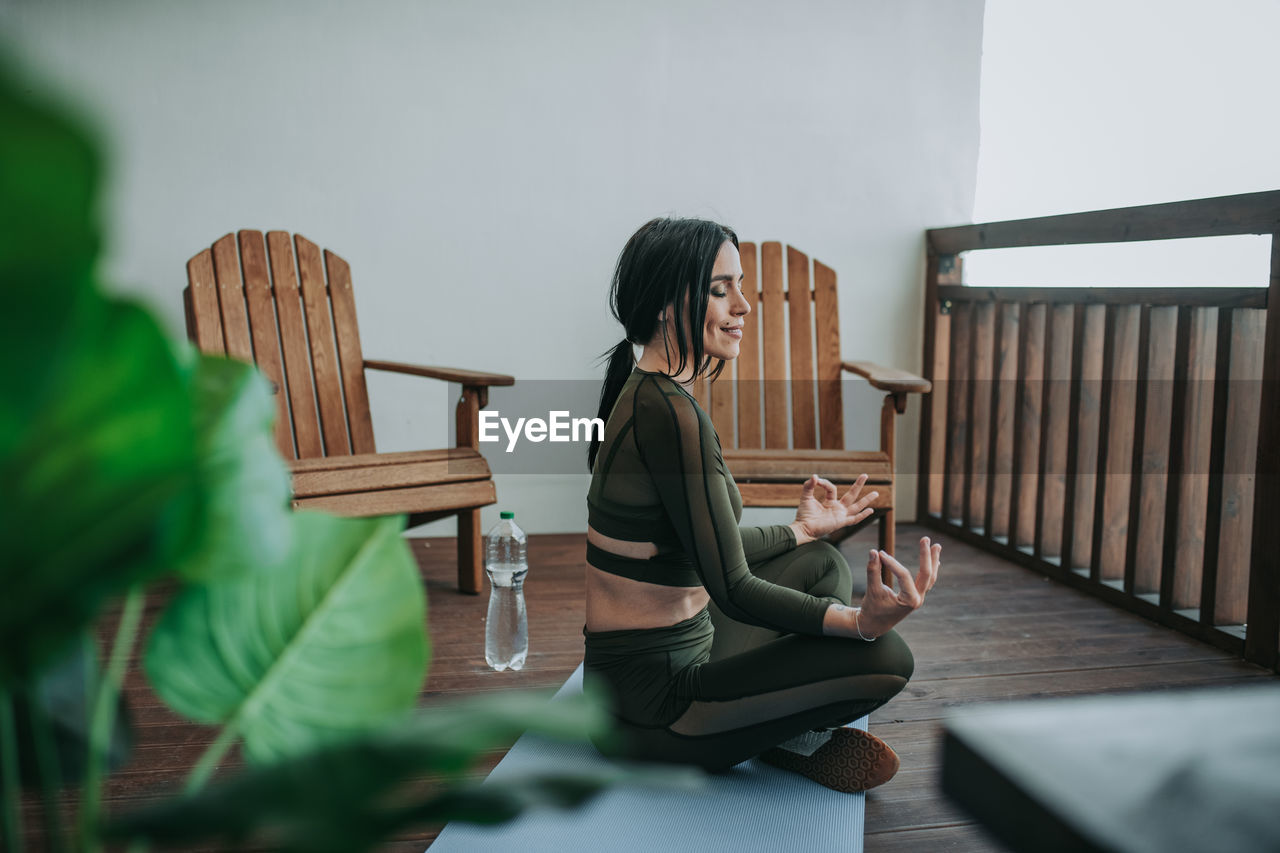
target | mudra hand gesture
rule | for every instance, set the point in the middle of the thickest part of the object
(882, 608)
(821, 512)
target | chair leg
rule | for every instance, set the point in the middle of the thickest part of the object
(886, 544)
(470, 551)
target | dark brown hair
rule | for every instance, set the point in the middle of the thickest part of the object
(661, 263)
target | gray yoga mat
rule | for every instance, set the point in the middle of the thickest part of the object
(752, 807)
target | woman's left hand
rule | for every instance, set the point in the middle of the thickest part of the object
(821, 512)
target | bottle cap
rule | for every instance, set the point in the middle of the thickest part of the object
(506, 514)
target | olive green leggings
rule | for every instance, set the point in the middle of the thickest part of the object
(713, 692)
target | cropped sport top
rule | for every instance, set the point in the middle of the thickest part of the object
(660, 477)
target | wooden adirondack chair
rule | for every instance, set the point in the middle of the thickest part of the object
(279, 317)
(769, 464)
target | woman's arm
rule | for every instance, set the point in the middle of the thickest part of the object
(798, 531)
(679, 448)
(765, 543)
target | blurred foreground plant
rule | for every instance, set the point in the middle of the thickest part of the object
(127, 459)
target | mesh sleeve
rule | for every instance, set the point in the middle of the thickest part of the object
(679, 448)
(765, 543)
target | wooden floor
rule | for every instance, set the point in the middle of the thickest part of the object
(990, 631)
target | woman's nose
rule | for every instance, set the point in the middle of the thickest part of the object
(743, 307)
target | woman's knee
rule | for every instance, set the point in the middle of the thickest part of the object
(825, 550)
(894, 655)
(831, 575)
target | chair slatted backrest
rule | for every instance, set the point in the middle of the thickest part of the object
(792, 333)
(285, 306)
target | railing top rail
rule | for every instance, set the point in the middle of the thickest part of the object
(1219, 297)
(1250, 213)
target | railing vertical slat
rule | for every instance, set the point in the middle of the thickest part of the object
(977, 483)
(1087, 462)
(1100, 517)
(1217, 456)
(1119, 473)
(971, 377)
(1262, 642)
(957, 431)
(1030, 403)
(1046, 407)
(996, 512)
(1057, 429)
(1019, 401)
(1139, 450)
(1063, 431)
(1074, 432)
(1173, 485)
(1197, 437)
(1235, 542)
(938, 416)
(925, 456)
(1154, 486)
(937, 352)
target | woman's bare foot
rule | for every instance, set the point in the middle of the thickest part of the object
(852, 761)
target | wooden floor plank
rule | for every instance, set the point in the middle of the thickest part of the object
(991, 631)
(956, 838)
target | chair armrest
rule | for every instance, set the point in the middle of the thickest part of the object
(449, 374)
(889, 378)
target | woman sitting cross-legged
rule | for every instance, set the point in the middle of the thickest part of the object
(716, 643)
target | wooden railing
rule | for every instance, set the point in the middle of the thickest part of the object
(1123, 440)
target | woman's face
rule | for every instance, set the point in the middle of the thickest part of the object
(727, 308)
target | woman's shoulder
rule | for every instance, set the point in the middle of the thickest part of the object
(661, 391)
(662, 403)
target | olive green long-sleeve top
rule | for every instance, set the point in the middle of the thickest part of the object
(660, 477)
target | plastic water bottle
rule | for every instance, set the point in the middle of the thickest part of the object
(506, 631)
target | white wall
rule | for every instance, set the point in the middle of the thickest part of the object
(481, 164)
(1109, 103)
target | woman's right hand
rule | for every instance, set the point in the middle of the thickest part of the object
(882, 607)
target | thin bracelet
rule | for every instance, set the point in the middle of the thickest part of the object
(858, 627)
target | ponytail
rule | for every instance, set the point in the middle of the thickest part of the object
(621, 360)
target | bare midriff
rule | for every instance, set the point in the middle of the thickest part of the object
(616, 603)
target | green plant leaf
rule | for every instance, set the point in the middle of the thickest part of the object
(100, 483)
(457, 733)
(503, 799)
(350, 827)
(247, 523)
(57, 707)
(49, 238)
(333, 641)
(350, 795)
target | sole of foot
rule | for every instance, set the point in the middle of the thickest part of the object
(852, 761)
